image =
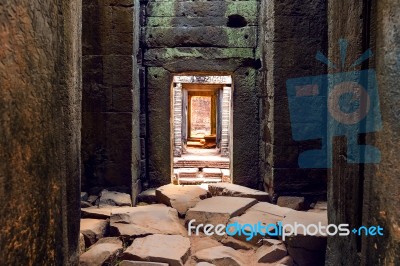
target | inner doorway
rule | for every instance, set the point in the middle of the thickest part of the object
(201, 129)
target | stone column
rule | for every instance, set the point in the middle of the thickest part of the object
(226, 114)
(40, 118)
(177, 120)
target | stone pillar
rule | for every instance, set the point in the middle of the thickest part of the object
(40, 117)
(111, 149)
(226, 119)
(177, 120)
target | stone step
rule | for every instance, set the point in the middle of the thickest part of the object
(191, 181)
(202, 164)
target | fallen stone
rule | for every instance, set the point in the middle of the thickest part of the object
(92, 199)
(141, 263)
(221, 256)
(96, 212)
(84, 196)
(295, 203)
(236, 244)
(113, 198)
(202, 241)
(306, 249)
(232, 190)
(263, 212)
(105, 251)
(147, 196)
(180, 197)
(270, 254)
(218, 210)
(82, 246)
(85, 204)
(171, 249)
(145, 220)
(93, 230)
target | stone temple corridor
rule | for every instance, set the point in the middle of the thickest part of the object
(203, 132)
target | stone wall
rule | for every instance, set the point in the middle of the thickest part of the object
(291, 33)
(40, 115)
(199, 37)
(110, 131)
(368, 194)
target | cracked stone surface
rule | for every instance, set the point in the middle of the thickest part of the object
(180, 197)
(171, 249)
(228, 189)
(93, 229)
(104, 251)
(218, 210)
(146, 220)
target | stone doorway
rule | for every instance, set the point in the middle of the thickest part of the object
(201, 128)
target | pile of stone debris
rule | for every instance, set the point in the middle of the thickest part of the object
(154, 233)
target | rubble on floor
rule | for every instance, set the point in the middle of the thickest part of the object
(156, 234)
(180, 197)
(232, 190)
(295, 203)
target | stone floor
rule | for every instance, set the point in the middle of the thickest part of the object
(155, 231)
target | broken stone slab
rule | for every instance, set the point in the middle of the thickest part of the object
(306, 249)
(113, 198)
(218, 210)
(96, 212)
(92, 199)
(270, 254)
(295, 203)
(145, 220)
(141, 263)
(202, 242)
(263, 212)
(221, 256)
(147, 196)
(232, 190)
(93, 229)
(171, 249)
(180, 197)
(105, 251)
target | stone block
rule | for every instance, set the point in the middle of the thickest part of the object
(104, 252)
(220, 256)
(96, 212)
(93, 230)
(171, 249)
(132, 222)
(218, 210)
(201, 36)
(180, 197)
(295, 203)
(113, 198)
(232, 190)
